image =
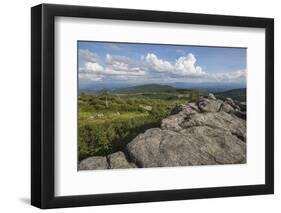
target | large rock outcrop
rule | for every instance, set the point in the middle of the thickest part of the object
(206, 132)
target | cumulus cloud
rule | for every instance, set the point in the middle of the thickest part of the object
(121, 65)
(114, 67)
(149, 68)
(183, 66)
(186, 66)
(157, 64)
(91, 71)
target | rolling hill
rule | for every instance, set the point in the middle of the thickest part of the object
(147, 88)
(235, 94)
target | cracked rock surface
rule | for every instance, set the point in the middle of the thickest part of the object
(209, 131)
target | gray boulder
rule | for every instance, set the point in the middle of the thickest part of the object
(200, 145)
(93, 163)
(218, 120)
(118, 160)
(206, 132)
(144, 149)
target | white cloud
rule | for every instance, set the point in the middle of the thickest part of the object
(229, 76)
(150, 68)
(91, 70)
(157, 64)
(121, 65)
(115, 67)
(93, 67)
(111, 59)
(88, 55)
(84, 74)
(184, 66)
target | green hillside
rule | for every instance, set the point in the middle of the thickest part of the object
(235, 94)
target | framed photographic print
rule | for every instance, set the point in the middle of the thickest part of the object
(139, 106)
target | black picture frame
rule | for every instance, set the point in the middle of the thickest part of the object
(43, 102)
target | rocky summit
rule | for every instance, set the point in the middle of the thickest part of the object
(209, 131)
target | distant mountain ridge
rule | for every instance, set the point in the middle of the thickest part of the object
(147, 88)
(212, 87)
(238, 94)
(206, 86)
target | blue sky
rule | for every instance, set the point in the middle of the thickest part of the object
(157, 63)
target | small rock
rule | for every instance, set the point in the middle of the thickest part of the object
(240, 114)
(194, 106)
(177, 109)
(186, 109)
(230, 101)
(146, 107)
(93, 163)
(212, 96)
(243, 106)
(118, 160)
(226, 108)
(209, 105)
(100, 115)
(173, 122)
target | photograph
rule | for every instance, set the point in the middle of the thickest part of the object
(139, 105)
(146, 105)
(132, 105)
